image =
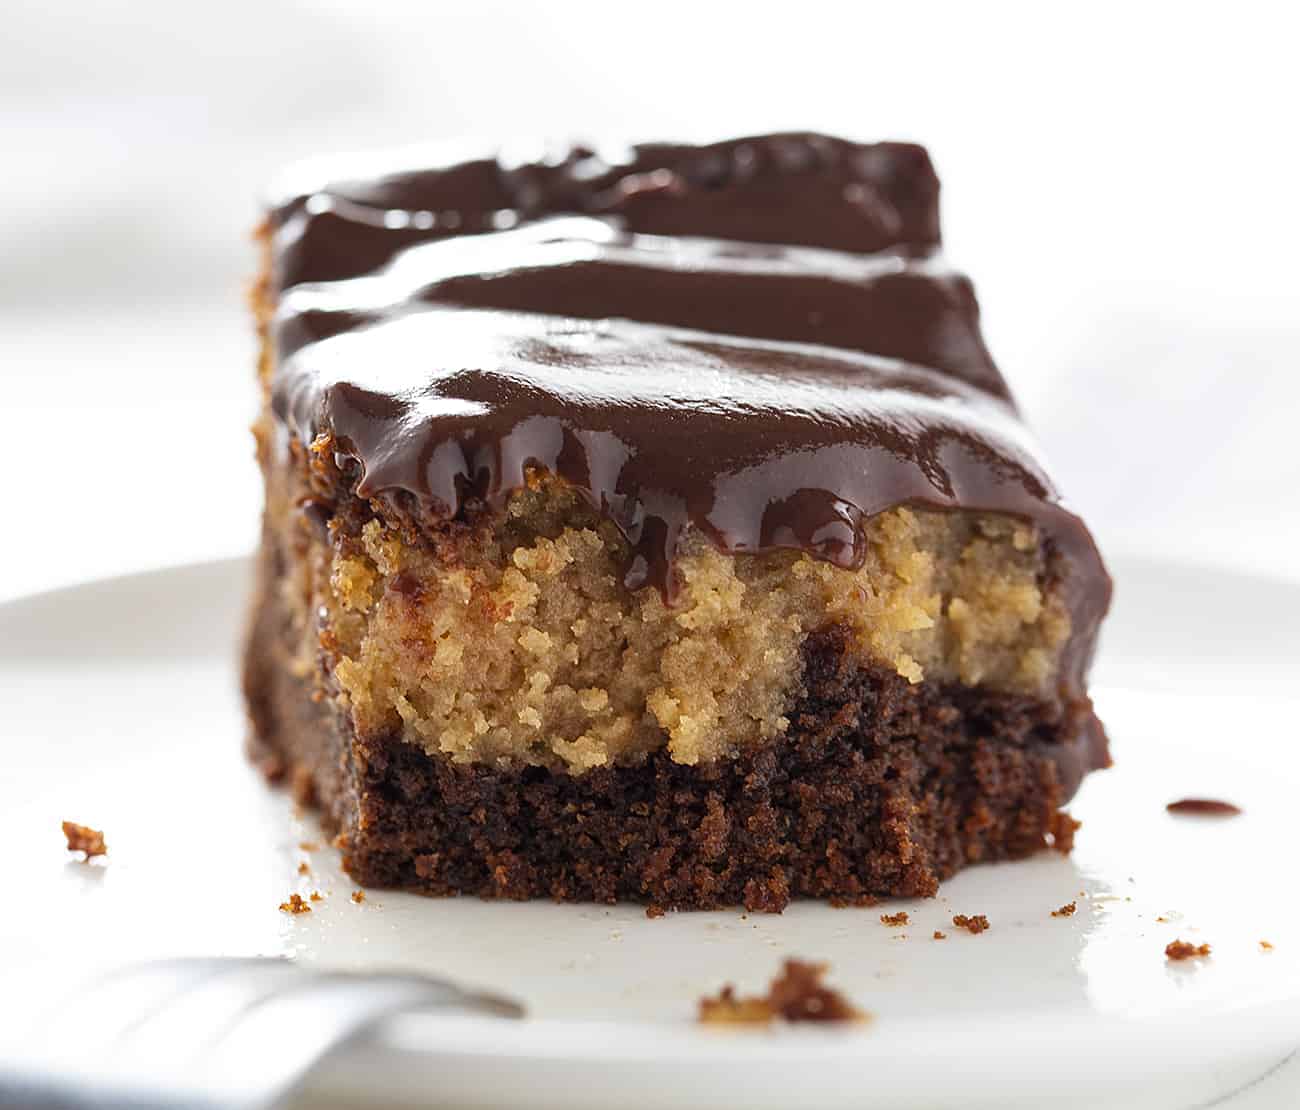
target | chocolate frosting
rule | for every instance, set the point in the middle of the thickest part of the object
(755, 339)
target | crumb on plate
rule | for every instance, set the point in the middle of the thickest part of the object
(796, 994)
(296, 904)
(974, 924)
(82, 838)
(1185, 950)
(894, 919)
(1067, 910)
(1062, 838)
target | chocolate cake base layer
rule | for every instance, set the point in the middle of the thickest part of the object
(880, 788)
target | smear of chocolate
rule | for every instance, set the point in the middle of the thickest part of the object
(1204, 807)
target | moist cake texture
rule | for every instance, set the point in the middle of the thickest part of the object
(653, 524)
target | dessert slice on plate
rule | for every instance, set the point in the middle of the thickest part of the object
(652, 524)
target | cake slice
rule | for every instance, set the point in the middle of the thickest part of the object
(653, 525)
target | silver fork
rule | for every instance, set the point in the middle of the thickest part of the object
(216, 1034)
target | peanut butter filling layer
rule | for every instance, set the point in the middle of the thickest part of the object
(517, 643)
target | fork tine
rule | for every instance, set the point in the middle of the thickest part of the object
(223, 1034)
(178, 1032)
(274, 1044)
(106, 1007)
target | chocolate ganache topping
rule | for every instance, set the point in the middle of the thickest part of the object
(756, 339)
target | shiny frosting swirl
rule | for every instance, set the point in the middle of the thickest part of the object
(757, 340)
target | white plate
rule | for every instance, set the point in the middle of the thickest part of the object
(120, 710)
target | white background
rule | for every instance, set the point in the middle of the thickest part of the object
(1121, 181)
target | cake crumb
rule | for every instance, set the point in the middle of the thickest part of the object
(1204, 807)
(1067, 910)
(82, 838)
(296, 904)
(1266, 946)
(358, 896)
(304, 868)
(316, 896)
(1185, 950)
(654, 911)
(894, 919)
(727, 1009)
(1162, 919)
(974, 924)
(796, 994)
(308, 845)
(1062, 836)
(940, 936)
(853, 901)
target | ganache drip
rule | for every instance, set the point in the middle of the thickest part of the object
(757, 340)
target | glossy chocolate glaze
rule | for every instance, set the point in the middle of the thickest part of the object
(756, 339)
